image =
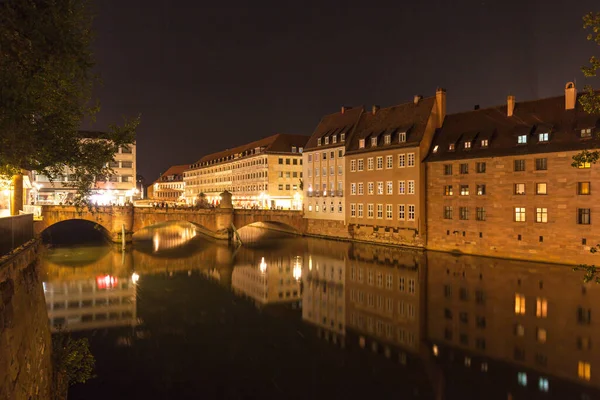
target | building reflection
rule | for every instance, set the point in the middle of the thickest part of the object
(167, 237)
(104, 301)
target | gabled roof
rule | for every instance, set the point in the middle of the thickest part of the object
(334, 124)
(530, 118)
(409, 117)
(176, 170)
(278, 143)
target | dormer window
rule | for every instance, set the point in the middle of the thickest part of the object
(435, 148)
(361, 144)
(451, 147)
(467, 145)
(402, 137)
(374, 142)
(587, 132)
(293, 149)
(327, 140)
(484, 143)
(543, 137)
(342, 137)
(318, 141)
(334, 139)
(387, 139)
(522, 139)
(300, 150)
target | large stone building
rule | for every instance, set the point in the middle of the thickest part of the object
(385, 182)
(501, 181)
(266, 173)
(325, 172)
(117, 188)
(170, 185)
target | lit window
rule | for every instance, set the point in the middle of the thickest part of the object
(387, 139)
(541, 215)
(522, 378)
(361, 143)
(435, 350)
(464, 190)
(543, 137)
(519, 303)
(519, 188)
(373, 142)
(543, 384)
(389, 187)
(522, 139)
(520, 214)
(435, 148)
(584, 165)
(586, 132)
(584, 370)
(467, 361)
(484, 143)
(318, 141)
(451, 147)
(467, 145)
(402, 137)
(541, 335)
(583, 188)
(541, 188)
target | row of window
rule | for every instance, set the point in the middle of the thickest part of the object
(404, 160)
(333, 139)
(520, 214)
(293, 161)
(323, 208)
(287, 187)
(120, 164)
(387, 139)
(404, 309)
(403, 336)
(325, 155)
(383, 188)
(540, 164)
(404, 212)
(323, 171)
(541, 188)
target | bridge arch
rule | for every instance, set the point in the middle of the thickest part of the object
(74, 230)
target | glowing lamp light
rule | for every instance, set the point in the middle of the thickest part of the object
(262, 266)
(435, 350)
(297, 270)
(135, 277)
(106, 282)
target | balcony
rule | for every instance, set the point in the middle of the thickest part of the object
(340, 193)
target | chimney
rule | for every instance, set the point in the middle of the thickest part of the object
(476, 107)
(510, 105)
(417, 99)
(570, 96)
(440, 106)
(375, 109)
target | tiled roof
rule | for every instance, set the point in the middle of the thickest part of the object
(176, 170)
(530, 118)
(334, 124)
(409, 117)
(278, 143)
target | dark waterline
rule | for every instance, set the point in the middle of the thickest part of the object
(304, 318)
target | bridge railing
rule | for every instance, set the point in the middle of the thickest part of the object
(15, 231)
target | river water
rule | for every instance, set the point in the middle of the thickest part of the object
(179, 317)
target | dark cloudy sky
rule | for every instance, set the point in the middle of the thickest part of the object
(206, 76)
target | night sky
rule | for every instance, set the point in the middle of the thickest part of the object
(206, 76)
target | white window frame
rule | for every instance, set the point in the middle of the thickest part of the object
(402, 187)
(389, 187)
(389, 211)
(411, 187)
(411, 212)
(410, 162)
(401, 212)
(401, 160)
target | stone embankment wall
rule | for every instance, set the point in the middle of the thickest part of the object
(25, 343)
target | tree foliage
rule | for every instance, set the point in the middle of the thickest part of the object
(46, 84)
(72, 360)
(590, 101)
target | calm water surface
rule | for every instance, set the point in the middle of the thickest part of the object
(179, 317)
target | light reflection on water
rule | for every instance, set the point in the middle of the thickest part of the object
(450, 320)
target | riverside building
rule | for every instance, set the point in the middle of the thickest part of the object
(325, 172)
(264, 174)
(501, 181)
(385, 182)
(170, 185)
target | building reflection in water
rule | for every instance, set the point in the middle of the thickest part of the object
(102, 302)
(168, 236)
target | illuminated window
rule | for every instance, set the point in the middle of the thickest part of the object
(519, 188)
(484, 143)
(361, 144)
(480, 190)
(586, 132)
(467, 145)
(519, 303)
(387, 139)
(402, 137)
(435, 148)
(584, 370)
(522, 139)
(541, 335)
(541, 215)
(543, 384)
(448, 190)
(541, 188)
(543, 137)
(522, 378)
(464, 190)
(379, 187)
(451, 147)
(541, 309)
(583, 188)
(390, 187)
(353, 188)
(519, 214)
(584, 164)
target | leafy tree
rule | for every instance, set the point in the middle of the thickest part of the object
(590, 101)
(72, 360)
(46, 83)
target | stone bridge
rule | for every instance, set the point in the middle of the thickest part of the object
(215, 222)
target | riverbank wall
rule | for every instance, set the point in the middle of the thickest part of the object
(25, 341)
